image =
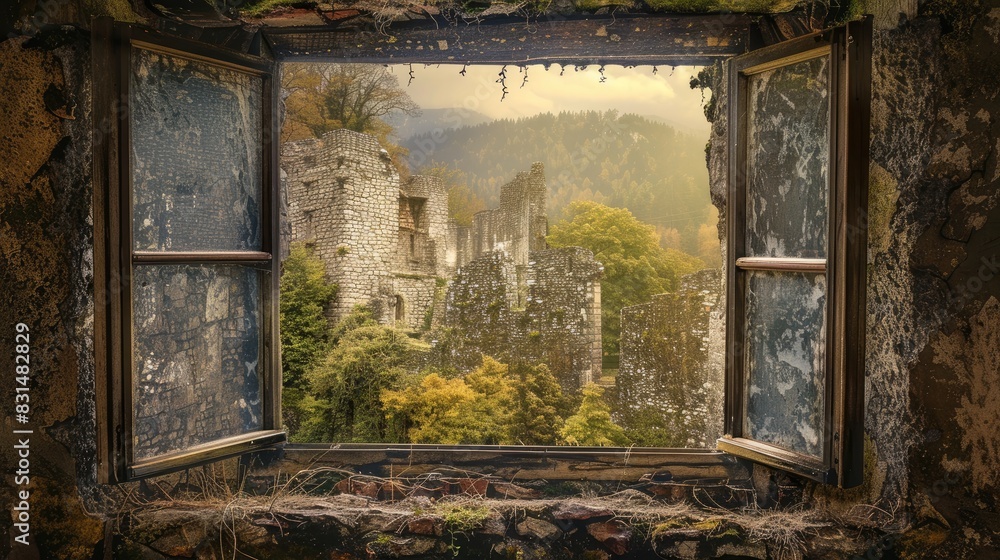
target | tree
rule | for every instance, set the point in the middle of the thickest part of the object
(351, 96)
(635, 266)
(494, 404)
(536, 418)
(344, 389)
(473, 410)
(305, 330)
(592, 424)
(432, 411)
(321, 98)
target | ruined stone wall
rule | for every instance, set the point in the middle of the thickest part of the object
(666, 368)
(433, 224)
(382, 241)
(479, 305)
(459, 246)
(417, 295)
(343, 196)
(518, 224)
(564, 314)
(548, 312)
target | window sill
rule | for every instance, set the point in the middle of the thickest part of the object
(206, 453)
(510, 462)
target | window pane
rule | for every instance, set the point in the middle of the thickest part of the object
(196, 152)
(788, 160)
(785, 357)
(196, 346)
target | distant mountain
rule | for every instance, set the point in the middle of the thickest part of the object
(629, 161)
(430, 119)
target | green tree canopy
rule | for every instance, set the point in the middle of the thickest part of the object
(592, 423)
(345, 388)
(305, 330)
(635, 266)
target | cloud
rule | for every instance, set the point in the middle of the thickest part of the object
(665, 94)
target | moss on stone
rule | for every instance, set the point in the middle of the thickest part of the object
(592, 5)
(883, 193)
(461, 518)
(257, 8)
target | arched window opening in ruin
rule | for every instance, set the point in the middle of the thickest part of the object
(542, 242)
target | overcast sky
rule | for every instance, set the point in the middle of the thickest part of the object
(666, 93)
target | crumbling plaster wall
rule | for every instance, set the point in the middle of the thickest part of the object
(46, 264)
(933, 228)
(933, 316)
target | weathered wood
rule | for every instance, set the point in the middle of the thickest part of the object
(646, 39)
(511, 462)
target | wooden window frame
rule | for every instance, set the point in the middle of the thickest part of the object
(849, 49)
(113, 261)
(114, 257)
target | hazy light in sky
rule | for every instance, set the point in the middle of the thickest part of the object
(666, 94)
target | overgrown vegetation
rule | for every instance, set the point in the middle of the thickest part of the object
(305, 330)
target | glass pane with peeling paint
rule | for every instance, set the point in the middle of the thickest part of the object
(785, 358)
(196, 155)
(196, 351)
(788, 160)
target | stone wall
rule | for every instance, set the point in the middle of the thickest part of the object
(666, 368)
(548, 311)
(343, 196)
(385, 242)
(563, 314)
(518, 225)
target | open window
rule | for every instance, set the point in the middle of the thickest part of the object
(797, 247)
(185, 207)
(186, 215)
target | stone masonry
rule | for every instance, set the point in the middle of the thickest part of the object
(666, 369)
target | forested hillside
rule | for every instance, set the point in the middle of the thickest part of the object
(620, 160)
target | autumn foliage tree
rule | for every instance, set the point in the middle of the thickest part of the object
(358, 97)
(493, 404)
(592, 424)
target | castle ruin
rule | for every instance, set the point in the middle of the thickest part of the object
(388, 243)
